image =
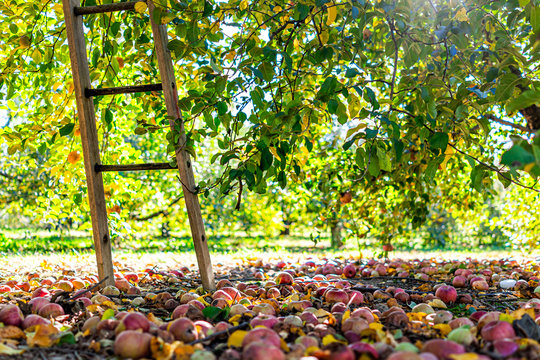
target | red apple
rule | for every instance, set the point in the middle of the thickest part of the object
(132, 344)
(447, 294)
(40, 292)
(260, 350)
(51, 310)
(443, 348)
(37, 303)
(336, 295)
(360, 348)
(354, 324)
(133, 321)
(266, 335)
(498, 330)
(355, 297)
(404, 355)
(11, 315)
(220, 294)
(183, 329)
(459, 281)
(284, 278)
(187, 297)
(33, 320)
(349, 271)
(264, 320)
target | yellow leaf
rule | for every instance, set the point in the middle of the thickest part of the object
(11, 332)
(437, 303)
(73, 157)
(332, 14)
(167, 18)
(274, 152)
(6, 350)
(296, 44)
(376, 326)
(284, 345)
(354, 105)
(235, 319)
(244, 5)
(230, 55)
(236, 338)
(140, 7)
(507, 317)
(277, 9)
(461, 15)
(466, 356)
(45, 336)
(162, 350)
(518, 314)
(443, 328)
(329, 339)
(346, 315)
(109, 304)
(310, 350)
(324, 37)
(528, 167)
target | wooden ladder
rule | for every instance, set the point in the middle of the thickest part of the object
(73, 13)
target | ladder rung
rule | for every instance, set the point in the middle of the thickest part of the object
(134, 167)
(98, 9)
(122, 90)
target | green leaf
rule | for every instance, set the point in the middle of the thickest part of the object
(328, 87)
(373, 167)
(266, 159)
(439, 140)
(504, 179)
(107, 314)
(506, 86)
(431, 169)
(66, 129)
(492, 74)
(267, 71)
(67, 338)
(535, 17)
(215, 313)
(517, 157)
(525, 99)
(384, 159)
(351, 72)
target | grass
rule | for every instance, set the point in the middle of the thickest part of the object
(24, 251)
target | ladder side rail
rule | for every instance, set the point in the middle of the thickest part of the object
(170, 93)
(90, 144)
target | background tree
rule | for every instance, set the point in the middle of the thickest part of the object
(424, 88)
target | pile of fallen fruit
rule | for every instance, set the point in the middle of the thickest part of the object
(316, 309)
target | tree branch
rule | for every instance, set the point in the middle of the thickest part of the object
(163, 212)
(508, 123)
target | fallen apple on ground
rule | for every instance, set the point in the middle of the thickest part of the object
(313, 309)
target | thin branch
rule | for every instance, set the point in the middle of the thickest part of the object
(163, 212)
(508, 123)
(480, 162)
(396, 58)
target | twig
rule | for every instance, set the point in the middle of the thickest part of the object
(219, 333)
(96, 285)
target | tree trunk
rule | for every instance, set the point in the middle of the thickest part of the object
(286, 228)
(335, 230)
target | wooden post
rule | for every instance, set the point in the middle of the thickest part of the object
(89, 137)
(183, 160)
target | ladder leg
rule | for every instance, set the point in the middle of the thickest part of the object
(182, 157)
(89, 137)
